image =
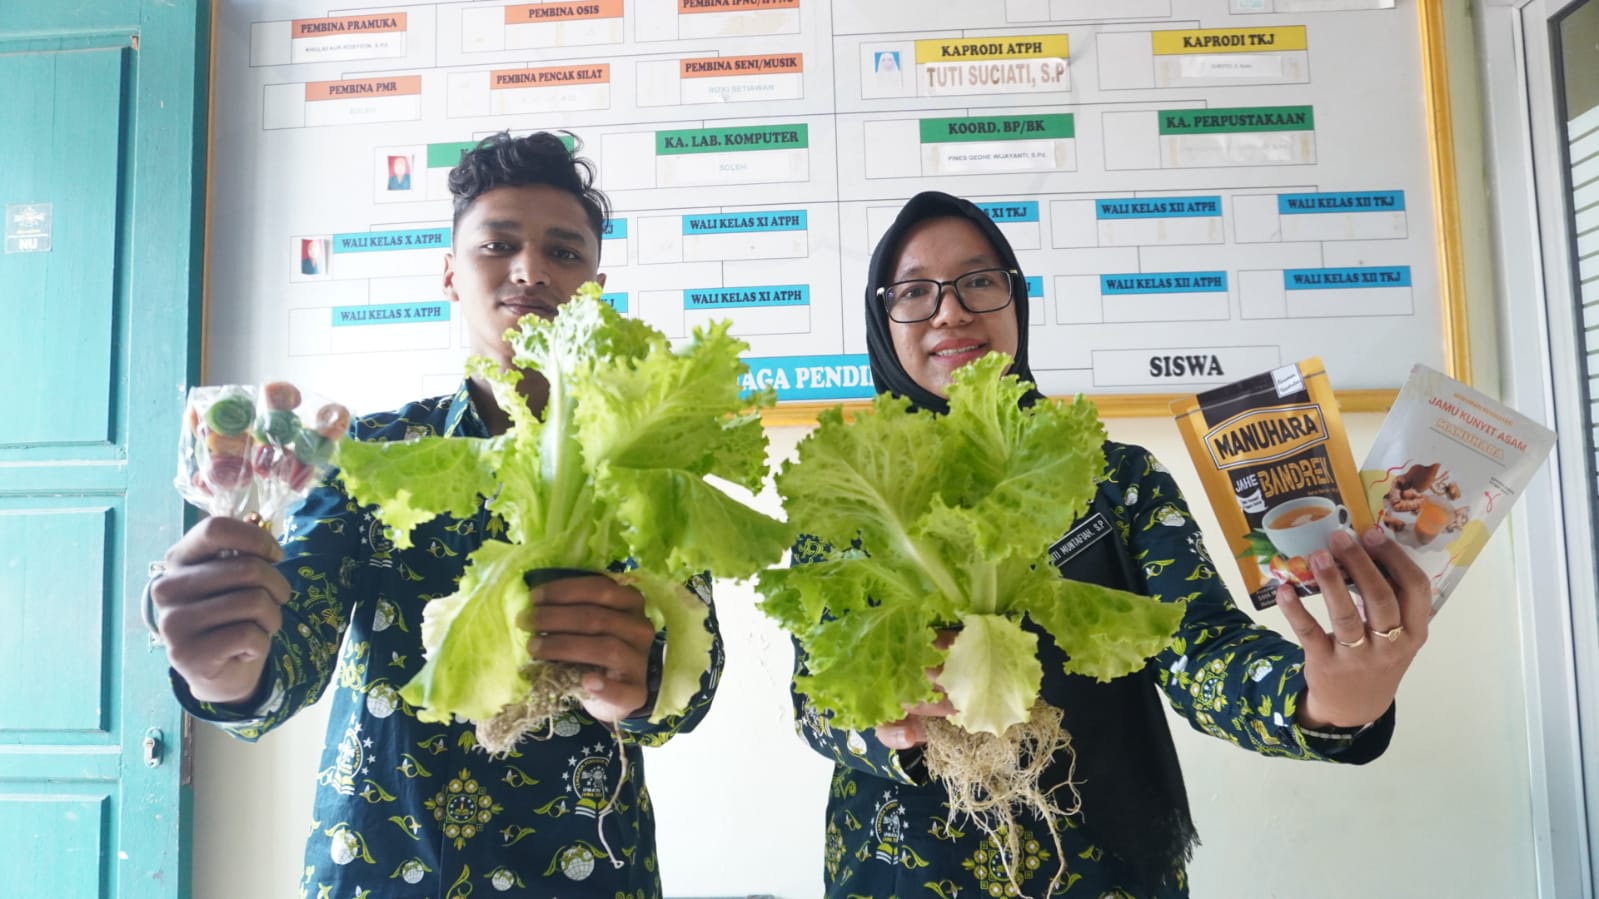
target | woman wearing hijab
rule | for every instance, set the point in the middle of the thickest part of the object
(945, 288)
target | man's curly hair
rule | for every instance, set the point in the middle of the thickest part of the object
(501, 160)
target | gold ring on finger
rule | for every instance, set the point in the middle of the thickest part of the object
(1391, 635)
(1355, 644)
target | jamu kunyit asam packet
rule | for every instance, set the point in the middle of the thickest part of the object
(1273, 456)
(1447, 465)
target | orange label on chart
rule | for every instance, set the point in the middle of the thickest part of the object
(393, 86)
(693, 6)
(556, 76)
(367, 24)
(529, 13)
(726, 66)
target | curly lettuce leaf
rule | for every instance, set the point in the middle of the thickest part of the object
(797, 598)
(413, 483)
(683, 615)
(869, 665)
(651, 412)
(471, 640)
(614, 470)
(954, 512)
(585, 335)
(871, 479)
(1105, 633)
(1025, 474)
(992, 673)
(711, 530)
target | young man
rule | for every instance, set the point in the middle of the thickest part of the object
(253, 629)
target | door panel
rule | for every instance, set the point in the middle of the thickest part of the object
(64, 148)
(102, 134)
(66, 840)
(64, 742)
(64, 618)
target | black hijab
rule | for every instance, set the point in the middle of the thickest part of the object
(1127, 773)
(888, 375)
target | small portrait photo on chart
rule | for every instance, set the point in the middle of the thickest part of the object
(885, 65)
(399, 168)
(395, 178)
(883, 74)
(311, 258)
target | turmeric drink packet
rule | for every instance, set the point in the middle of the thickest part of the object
(1447, 465)
(1275, 462)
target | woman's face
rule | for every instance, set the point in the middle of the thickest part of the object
(944, 249)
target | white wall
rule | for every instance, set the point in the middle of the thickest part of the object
(1446, 812)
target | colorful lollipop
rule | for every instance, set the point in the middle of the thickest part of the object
(248, 451)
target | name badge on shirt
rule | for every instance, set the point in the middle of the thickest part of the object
(1087, 532)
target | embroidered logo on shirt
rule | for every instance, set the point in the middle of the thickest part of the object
(589, 779)
(888, 825)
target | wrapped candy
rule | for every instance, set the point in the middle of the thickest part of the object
(255, 452)
(214, 450)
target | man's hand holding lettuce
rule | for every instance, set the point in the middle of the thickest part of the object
(616, 470)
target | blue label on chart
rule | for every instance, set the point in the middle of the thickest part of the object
(841, 377)
(744, 222)
(1163, 282)
(390, 241)
(1157, 208)
(1344, 278)
(1323, 204)
(392, 314)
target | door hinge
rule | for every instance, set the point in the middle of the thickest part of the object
(186, 761)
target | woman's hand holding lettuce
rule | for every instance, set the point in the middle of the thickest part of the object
(938, 521)
(952, 513)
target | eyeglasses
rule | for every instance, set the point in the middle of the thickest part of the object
(987, 290)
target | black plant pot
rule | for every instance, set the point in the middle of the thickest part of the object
(538, 577)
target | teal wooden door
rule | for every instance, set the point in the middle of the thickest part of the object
(101, 127)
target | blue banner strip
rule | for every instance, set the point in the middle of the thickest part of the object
(1157, 208)
(1163, 282)
(392, 314)
(390, 241)
(1345, 278)
(734, 297)
(744, 222)
(1008, 213)
(799, 378)
(1323, 204)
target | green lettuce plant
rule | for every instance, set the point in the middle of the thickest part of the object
(615, 470)
(952, 515)
(930, 522)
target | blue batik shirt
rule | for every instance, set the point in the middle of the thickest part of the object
(889, 830)
(410, 809)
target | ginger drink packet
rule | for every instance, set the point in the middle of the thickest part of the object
(1273, 456)
(1447, 465)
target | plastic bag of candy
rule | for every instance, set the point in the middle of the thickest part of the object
(248, 452)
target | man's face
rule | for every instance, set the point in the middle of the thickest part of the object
(518, 250)
(943, 249)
